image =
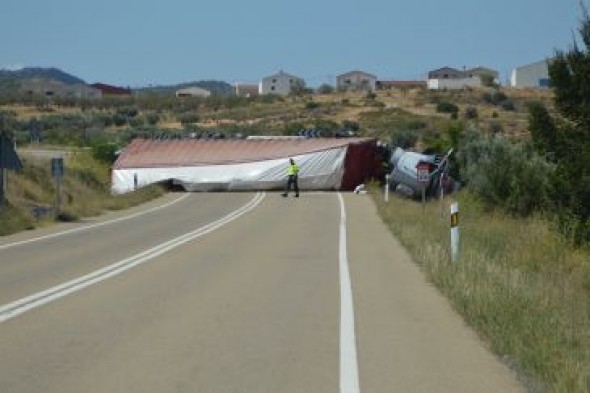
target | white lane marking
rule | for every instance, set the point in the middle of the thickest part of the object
(2, 247)
(349, 374)
(28, 303)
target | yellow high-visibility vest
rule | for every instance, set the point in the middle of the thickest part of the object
(292, 170)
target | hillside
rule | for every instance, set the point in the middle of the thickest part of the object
(215, 87)
(386, 115)
(10, 81)
(42, 73)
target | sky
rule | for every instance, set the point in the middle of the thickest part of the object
(138, 43)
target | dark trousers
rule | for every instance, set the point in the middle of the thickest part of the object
(292, 180)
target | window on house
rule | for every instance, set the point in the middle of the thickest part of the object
(274, 81)
(272, 88)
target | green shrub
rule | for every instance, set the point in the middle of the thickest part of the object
(403, 138)
(471, 113)
(65, 216)
(311, 105)
(188, 117)
(326, 89)
(494, 98)
(105, 152)
(119, 119)
(350, 125)
(152, 118)
(13, 220)
(507, 105)
(505, 174)
(447, 107)
(416, 124)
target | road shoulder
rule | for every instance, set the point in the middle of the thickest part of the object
(409, 337)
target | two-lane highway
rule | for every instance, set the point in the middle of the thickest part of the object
(234, 292)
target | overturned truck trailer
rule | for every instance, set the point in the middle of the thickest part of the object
(245, 164)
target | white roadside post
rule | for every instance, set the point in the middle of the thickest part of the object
(454, 231)
(387, 188)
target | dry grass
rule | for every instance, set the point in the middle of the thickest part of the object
(85, 192)
(520, 285)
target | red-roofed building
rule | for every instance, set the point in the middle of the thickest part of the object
(401, 85)
(108, 90)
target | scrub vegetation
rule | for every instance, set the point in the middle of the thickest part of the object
(523, 286)
(523, 276)
(31, 196)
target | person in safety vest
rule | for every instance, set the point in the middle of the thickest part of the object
(292, 172)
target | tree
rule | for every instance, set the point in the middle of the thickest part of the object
(566, 138)
(326, 89)
(298, 88)
(543, 130)
(568, 73)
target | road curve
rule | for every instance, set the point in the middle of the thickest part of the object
(253, 306)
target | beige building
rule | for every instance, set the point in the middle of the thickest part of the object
(356, 81)
(280, 83)
(448, 78)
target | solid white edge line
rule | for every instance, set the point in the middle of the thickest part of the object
(57, 234)
(25, 304)
(349, 375)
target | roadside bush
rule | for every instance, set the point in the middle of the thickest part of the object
(447, 107)
(152, 118)
(13, 220)
(494, 98)
(66, 216)
(496, 128)
(104, 152)
(507, 105)
(326, 126)
(403, 138)
(311, 105)
(471, 113)
(188, 117)
(128, 111)
(326, 89)
(119, 119)
(505, 174)
(350, 125)
(416, 125)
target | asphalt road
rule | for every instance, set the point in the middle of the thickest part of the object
(231, 292)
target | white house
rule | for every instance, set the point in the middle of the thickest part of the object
(534, 75)
(280, 83)
(356, 81)
(193, 91)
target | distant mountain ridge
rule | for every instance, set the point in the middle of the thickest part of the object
(9, 77)
(41, 72)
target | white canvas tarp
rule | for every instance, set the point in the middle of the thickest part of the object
(321, 170)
